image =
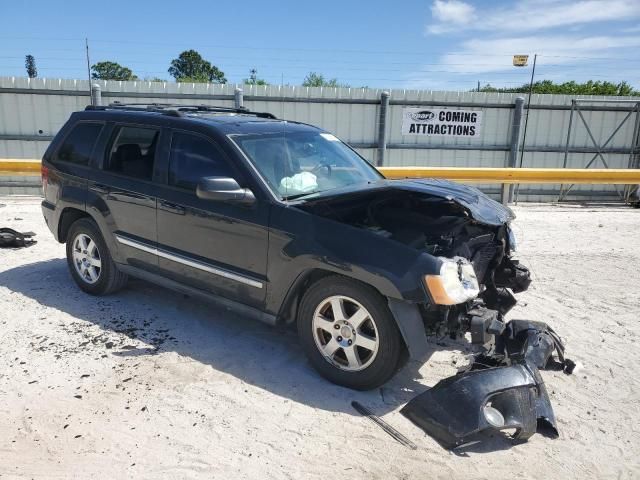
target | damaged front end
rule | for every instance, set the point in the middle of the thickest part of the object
(470, 290)
(466, 235)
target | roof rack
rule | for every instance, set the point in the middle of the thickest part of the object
(177, 110)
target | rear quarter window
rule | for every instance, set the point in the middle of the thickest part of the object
(76, 148)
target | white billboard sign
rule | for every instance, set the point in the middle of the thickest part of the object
(441, 122)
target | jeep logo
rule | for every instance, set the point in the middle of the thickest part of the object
(422, 116)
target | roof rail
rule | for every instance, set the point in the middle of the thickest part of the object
(138, 108)
(177, 110)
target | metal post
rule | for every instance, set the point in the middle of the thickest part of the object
(574, 105)
(382, 128)
(238, 98)
(507, 190)
(566, 147)
(633, 156)
(96, 95)
(86, 45)
(526, 120)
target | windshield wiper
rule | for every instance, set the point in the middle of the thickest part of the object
(297, 195)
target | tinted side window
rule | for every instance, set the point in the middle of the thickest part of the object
(194, 157)
(78, 145)
(132, 152)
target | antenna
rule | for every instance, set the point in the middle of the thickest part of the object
(284, 128)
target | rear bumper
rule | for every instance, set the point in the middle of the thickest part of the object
(51, 217)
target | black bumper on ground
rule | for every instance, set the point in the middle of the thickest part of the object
(502, 390)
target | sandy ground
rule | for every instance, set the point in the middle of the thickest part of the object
(148, 383)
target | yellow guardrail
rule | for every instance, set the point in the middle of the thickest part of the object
(519, 175)
(19, 167)
(460, 174)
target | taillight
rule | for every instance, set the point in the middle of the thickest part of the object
(44, 172)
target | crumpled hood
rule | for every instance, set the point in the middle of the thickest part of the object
(480, 206)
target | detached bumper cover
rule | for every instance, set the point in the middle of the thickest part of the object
(534, 343)
(452, 412)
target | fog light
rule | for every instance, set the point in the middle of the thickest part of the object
(493, 416)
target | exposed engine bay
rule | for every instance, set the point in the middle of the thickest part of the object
(443, 227)
(470, 234)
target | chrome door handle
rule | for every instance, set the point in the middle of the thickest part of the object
(99, 188)
(172, 207)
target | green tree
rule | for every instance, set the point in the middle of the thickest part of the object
(253, 78)
(30, 65)
(314, 79)
(570, 88)
(191, 67)
(111, 71)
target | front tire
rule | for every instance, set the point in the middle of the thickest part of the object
(348, 333)
(89, 260)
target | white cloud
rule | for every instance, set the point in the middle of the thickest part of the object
(561, 57)
(529, 15)
(452, 12)
(553, 49)
(575, 39)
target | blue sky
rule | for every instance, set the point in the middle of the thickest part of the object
(431, 44)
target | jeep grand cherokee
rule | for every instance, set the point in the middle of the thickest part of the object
(284, 222)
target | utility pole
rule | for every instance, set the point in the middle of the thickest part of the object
(478, 85)
(526, 120)
(86, 45)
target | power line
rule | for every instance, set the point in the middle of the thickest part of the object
(323, 50)
(273, 60)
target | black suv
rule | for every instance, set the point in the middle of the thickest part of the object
(284, 222)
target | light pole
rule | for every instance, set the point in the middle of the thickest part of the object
(521, 61)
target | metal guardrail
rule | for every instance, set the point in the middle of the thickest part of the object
(17, 167)
(21, 167)
(519, 175)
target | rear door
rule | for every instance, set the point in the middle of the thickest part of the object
(125, 187)
(215, 246)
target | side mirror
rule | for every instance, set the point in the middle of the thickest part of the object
(224, 189)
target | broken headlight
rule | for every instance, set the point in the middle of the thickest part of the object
(456, 283)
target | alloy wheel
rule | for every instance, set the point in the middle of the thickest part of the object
(86, 258)
(345, 333)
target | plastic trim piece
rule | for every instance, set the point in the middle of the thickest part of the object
(187, 261)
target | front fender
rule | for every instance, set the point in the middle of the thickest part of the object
(300, 242)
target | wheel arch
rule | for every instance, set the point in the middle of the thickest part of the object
(68, 216)
(289, 310)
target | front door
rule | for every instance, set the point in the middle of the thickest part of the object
(215, 246)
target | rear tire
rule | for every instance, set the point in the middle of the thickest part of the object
(348, 333)
(89, 260)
